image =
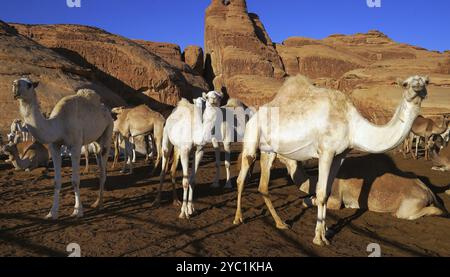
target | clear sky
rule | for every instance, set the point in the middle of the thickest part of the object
(423, 23)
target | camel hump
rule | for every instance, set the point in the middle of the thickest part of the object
(298, 81)
(184, 103)
(234, 103)
(90, 95)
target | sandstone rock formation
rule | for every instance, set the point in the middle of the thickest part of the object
(242, 60)
(58, 77)
(193, 56)
(121, 64)
(236, 44)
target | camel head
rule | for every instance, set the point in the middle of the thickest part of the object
(435, 142)
(213, 98)
(9, 149)
(415, 88)
(23, 89)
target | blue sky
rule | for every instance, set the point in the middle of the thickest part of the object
(419, 22)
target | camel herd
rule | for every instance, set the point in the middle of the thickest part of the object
(302, 122)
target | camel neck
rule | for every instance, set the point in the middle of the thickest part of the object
(39, 127)
(371, 138)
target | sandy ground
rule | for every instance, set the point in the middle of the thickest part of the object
(128, 226)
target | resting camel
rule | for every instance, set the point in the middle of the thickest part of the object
(34, 156)
(139, 121)
(234, 109)
(75, 121)
(372, 182)
(185, 128)
(440, 156)
(424, 128)
(304, 122)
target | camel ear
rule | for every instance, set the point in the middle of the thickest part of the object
(35, 84)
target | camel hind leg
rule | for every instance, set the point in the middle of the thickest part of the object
(166, 149)
(75, 157)
(157, 138)
(226, 147)
(102, 160)
(251, 142)
(173, 175)
(55, 150)
(411, 209)
(266, 164)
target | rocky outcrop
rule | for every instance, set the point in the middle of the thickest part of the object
(242, 60)
(58, 76)
(193, 56)
(167, 51)
(236, 43)
(131, 69)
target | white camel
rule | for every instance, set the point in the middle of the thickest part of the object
(231, 120)
(75, 121)
(185, 128)
(304, 122)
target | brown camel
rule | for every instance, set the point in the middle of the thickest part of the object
(138, 121)
(33, 156)
(424, 128)
(374, 183)
(441, 160)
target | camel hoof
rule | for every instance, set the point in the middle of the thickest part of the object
(283, 226)
(77, 213)
(321, 240)
(238, 221)
(190, 210)
(97, 204)
(183, 215)
(52, 215)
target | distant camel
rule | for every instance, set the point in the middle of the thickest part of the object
(424, 128)
(440, 157)
(75, 121)
(138, 121)
(372, 182)
(304, 122)
(34, 156)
